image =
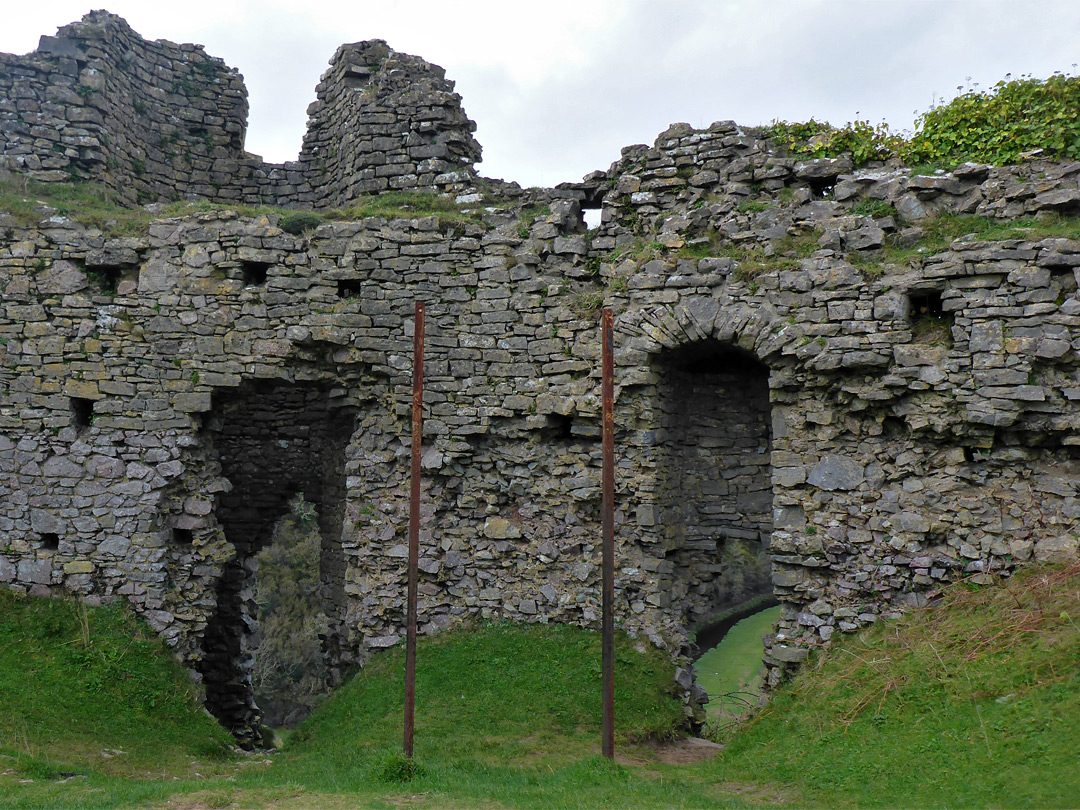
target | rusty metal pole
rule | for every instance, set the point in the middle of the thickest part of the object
(414, 524)
(608, 525)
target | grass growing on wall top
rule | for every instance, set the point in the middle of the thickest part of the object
(26, 203)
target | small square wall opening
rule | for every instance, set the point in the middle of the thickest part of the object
(182, 537)
(925, 304)
(50, 541)
(105, 278)
(82, 412)
(349, 288)
(254, 273)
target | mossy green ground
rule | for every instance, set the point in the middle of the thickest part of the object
(730, 671)
(972, 703)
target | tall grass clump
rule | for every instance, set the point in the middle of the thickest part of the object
(973, 702)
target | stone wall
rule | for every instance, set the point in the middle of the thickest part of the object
(155, 121)
(384, 121)
(809, 389)
(148, 120)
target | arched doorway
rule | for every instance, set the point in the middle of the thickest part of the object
(714, 478)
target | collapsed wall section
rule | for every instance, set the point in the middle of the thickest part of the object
(274, 440)
(156, 121)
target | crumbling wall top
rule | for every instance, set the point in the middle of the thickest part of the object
(157, 121)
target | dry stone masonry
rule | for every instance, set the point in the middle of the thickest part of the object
(156, 121)
(800, 412)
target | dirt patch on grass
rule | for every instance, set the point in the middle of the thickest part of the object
(684, 751)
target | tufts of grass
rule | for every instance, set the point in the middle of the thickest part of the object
(28, 203)
(587, 304)
(935, 331)
(873, 208)
(939, 232)
(300, 222)
(408, 205)
(750, 206)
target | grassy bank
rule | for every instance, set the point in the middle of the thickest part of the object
(972, 703)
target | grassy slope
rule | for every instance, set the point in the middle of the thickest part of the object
(93, 693)
(505, 714)
(974, 705)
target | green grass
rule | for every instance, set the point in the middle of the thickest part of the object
(940, 231)
(93, 694)
(973, 703)
(729, 672)
(94, 206)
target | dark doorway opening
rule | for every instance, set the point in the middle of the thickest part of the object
(274, 440)
(715, 479)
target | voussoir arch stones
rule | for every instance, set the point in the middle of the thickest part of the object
(754, 328)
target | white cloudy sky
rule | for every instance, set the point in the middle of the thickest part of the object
(558, 87)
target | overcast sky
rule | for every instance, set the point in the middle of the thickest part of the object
(558, 87)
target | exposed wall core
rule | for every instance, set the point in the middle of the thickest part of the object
(717, 495)
(273, 440)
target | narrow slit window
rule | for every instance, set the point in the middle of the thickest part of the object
(82, 412)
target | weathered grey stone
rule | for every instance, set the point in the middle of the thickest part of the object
(836, 473)
(499, 528)
(1060, 549)
(789, 655)
(784, 423)
(43, 522)
(34, 571)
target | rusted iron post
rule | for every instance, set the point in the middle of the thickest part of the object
(414, 524)
(608, 525)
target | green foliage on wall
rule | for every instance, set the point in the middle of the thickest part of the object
(998, 125)
(816, 139)
(290, 674)
(994, 126)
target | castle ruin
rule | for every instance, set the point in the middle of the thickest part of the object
(810, 403)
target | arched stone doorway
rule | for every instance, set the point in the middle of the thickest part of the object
(714, 477)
